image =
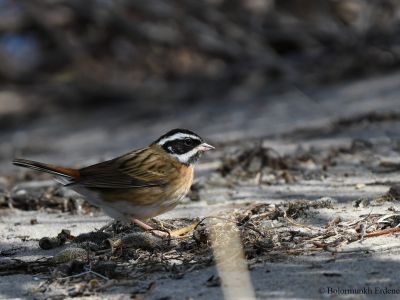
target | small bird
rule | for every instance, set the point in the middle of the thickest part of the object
(138, 185)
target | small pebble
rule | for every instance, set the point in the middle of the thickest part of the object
(365, 203)
(394, 191)
(356, 203)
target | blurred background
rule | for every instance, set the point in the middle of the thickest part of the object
(300, 97)
(96, 78)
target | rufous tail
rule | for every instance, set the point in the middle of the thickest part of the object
(68, 173)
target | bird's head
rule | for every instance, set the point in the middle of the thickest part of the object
(184, 145)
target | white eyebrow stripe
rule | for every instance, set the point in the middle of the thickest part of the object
(178, 136)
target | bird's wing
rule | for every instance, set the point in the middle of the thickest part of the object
(140, 168)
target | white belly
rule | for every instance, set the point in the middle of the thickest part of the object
(124, 210)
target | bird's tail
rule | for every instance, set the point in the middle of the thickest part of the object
(65, 175)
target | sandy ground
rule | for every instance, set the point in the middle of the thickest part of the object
(369, 266)
(370, 263)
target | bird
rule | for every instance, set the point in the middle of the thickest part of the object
(138, 185)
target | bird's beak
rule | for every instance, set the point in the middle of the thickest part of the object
(205, 147)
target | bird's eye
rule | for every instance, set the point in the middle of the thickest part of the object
(188, 142)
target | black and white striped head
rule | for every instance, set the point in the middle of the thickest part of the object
(184, 145)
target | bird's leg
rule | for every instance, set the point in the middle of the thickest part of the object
(176, 232)
(149, 228)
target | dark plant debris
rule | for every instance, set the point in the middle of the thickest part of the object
(264, 165)
(47, 243)
(117, 252)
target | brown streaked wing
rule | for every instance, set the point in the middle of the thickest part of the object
(132, 170)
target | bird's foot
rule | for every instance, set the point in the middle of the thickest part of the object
(147, 227)
(178, 233)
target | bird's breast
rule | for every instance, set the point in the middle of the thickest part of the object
(180, 186)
